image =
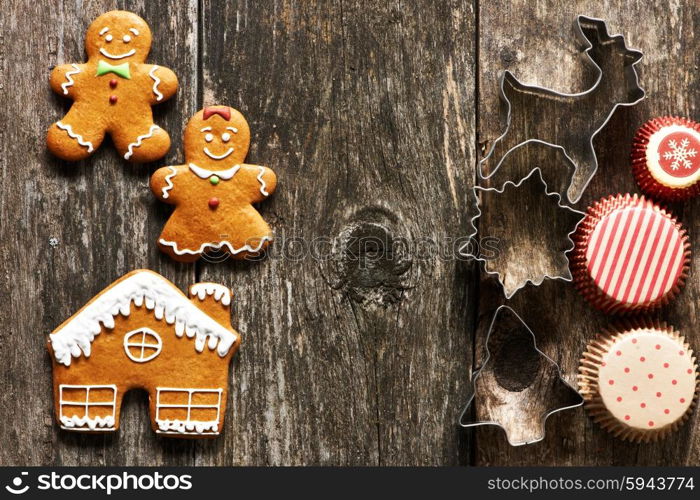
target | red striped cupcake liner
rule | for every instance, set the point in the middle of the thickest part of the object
(666, 158)
(639, 380)
(630, 255)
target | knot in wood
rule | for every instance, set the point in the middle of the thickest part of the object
(516, 362)
(372, 263)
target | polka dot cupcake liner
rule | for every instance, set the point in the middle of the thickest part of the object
(666, 158)
(639, 380)
(630, 255)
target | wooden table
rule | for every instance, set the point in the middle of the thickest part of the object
(373, 115)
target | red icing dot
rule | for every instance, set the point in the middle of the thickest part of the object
(665, 365)
(643, 405)
(681, 353)
(112, 99)
(651, 423)
(682, 400)
(213, 202)
(642, 359)
(674, 381)
(611, 381)
(619, 398)
(627, 417)
(658, 347)
(627, 370)
(619, 353)
(634, 388)
(667, 411)
(690, 370)
(651, 375)
(658, 394)
(603, 363)
(634, 341)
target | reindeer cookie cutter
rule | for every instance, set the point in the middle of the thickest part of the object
(520, 394)
(514, 272)
(612, 60)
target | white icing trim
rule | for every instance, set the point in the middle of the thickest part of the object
(98, 424)
(188, 426)
(156, 82)
(158, 295)
(218, 157)
(104, 30)
(75, 136)
(263, 186)
(197, 427)
(70, 81)
(203, 173)
(120, 56)
(215, 246)
(134, 31)
(220, 292)
(232, 129)
(205, 129)
(139, 141)
(170, 185)
(87, 423)
(142, 344)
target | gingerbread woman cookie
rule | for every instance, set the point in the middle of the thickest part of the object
(112, 93)
(214, 191)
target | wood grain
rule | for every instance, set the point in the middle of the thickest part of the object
(368, 112)
(367, 118)
(543, 50)
(100, 212)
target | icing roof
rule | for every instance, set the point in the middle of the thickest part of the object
(74, 338)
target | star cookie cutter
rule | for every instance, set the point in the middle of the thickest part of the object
(518, 384)
(518, 257)
(551, 114)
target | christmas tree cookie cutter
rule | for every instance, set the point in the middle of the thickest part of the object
(519, 386)
(541, 115)
(517, 255)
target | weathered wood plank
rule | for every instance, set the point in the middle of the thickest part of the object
(100, 212)
(536, 42)
(367, 114)
(365, 111)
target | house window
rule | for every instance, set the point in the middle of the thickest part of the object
(182, 410)
(87, 407)
(142, 345)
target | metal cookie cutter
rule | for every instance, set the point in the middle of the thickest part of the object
(569, 122)
(518, 386)
(532, 244)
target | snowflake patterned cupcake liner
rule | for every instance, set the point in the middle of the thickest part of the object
(666, 158)
(639, 380)
(630, 255)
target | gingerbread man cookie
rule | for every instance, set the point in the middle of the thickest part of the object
(214, 191)
(112, 93)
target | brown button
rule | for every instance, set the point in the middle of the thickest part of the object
(213, 203)
(112, 99)
(113, 82)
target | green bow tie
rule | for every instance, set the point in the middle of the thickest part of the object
(122, 70)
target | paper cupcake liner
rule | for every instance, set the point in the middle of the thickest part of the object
(583, 281)
(588, 381)
(647, 182)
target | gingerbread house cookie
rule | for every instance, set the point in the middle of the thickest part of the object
(143, 332)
